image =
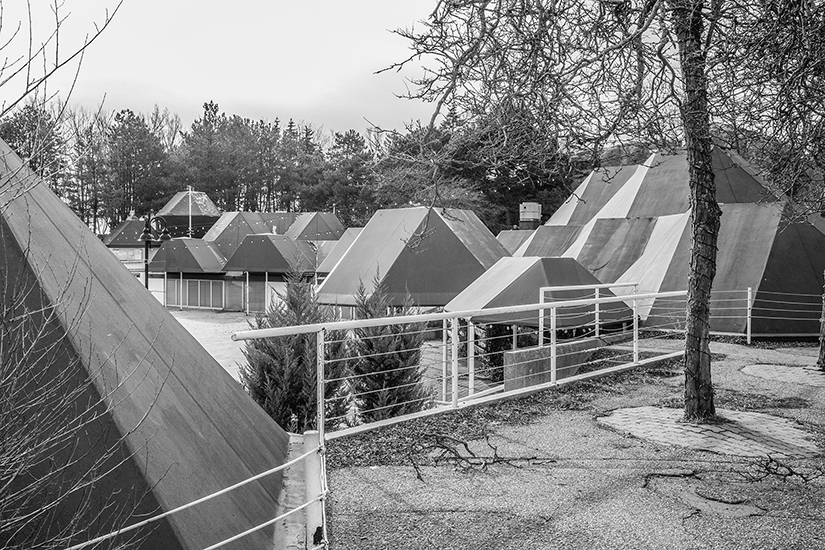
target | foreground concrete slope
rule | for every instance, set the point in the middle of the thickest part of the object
(189, 429)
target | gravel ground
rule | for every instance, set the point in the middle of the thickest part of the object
(213, 330)
(544, 474)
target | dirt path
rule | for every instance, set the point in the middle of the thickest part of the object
(555, 478)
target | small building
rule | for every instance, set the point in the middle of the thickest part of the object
(265, 261)
(194, 277)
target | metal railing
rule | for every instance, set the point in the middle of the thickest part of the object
(448, 365)
(308, 455)
(456, 353)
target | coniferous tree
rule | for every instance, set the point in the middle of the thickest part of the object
(281, 373)
(387, 379)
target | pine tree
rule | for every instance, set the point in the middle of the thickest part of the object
(387, 377)
(281, 373)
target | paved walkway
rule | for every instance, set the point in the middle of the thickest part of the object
(740, 434)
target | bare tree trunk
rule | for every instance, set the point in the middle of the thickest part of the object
(705, 212)
(820, 362)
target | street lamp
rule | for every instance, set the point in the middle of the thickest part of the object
(158, 224)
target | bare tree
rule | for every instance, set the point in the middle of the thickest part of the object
(58, 448)
(62, 462)
(599, 74)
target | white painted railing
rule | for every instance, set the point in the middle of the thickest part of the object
(314, 498)
(451, 357)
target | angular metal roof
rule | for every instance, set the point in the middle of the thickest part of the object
(126, 234)
(179, 205)
(316, 226)
(341, 247)
(271, 253)
(431, 253)
(185, 255)
(232, 227)
(517, 281)
(187, 428)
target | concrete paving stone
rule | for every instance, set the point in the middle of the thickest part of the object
(746, 433)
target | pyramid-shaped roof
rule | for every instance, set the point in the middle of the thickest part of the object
(271, 253)
(635, 228)
(180, 426)
(517, 281)
(179, 205)
(232, 227)
(184, 255)
(316, 226)
(659, 187)
(433, 253)
(176, 213)
(126, 234)
(341, 246)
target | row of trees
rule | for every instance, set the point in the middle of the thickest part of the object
(106, 165)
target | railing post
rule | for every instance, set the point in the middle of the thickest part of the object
(750, 313)
(321, 360)
(247, 293)
(635, 332)
(552, 345)
(312, 473)
(165, 289)
(444, 360)
(541, 321)
(515, 336)
(471, 355)
(266, 292)
(454, 358)
(598, 317)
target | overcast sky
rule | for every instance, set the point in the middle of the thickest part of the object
(313, 61)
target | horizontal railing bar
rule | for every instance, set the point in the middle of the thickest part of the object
(498, 396)
(585, 287)
(428, 317)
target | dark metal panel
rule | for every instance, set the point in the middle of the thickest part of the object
(126, 234)
(270, 253)
(192, 428)
(603, 185)
(614, 244)
(792, 281)
(552, 240)
(511, 239)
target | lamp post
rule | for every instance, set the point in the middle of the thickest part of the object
(157, 224)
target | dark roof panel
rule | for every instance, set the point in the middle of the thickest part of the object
(189, 428)
(271, 253)
(185, 255)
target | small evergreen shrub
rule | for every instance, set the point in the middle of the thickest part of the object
(387, 378)
(281, 372)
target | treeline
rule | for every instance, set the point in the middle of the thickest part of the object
(106, 165)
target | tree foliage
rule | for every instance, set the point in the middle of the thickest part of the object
(281, 372)
(598, 74)
(387, 378)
